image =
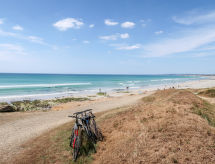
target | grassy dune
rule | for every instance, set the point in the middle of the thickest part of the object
(170, 126)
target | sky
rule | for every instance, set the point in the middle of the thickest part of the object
(107, 36)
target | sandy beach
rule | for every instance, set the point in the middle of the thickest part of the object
(19, 127)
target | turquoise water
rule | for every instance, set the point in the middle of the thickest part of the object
(32, 86)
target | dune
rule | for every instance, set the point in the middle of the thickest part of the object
(171, 126)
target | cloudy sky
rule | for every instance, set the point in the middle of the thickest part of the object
(107, 36)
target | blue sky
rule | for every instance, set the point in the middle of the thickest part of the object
(107, 36)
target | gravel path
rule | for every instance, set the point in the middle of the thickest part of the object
(15, 132)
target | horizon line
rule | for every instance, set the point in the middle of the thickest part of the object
(206, 74)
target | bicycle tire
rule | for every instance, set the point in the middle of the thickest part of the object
(71, 138)
(76, 148)
(75, 143)
(89, 133)
(97, 132)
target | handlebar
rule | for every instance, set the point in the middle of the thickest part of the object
(75, 115)
(87, 110)
(72, 116)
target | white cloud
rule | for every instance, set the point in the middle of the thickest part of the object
(194, 17)
(128, 25)
(158, 32)
(124, 36)
(67, 23)
(5, 33)
(17, 27)
(91, 25)
(109, 22)
(11, 49)
(115, 36)
(186, 41)
(207, 48)
(1, 21)
(109, 37)
(143, 23)
(11, 52)
(126, 47)
(86, 42)
(36, 39)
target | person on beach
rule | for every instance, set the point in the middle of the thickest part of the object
(127, 88)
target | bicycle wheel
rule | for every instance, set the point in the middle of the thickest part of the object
(71, 137)
(97, 132)
(89, 133)
(75, 142)
(76, 147)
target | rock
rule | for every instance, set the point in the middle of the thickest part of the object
(7, 108)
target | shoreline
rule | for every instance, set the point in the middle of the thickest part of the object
(87, 98)
(194, 84)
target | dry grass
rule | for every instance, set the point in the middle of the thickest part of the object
(165, 127)
(160, 129)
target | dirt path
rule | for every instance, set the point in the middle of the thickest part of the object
(25, 126)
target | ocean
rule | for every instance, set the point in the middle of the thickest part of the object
(15, 87)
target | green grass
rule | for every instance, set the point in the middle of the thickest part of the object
(208, 93)
(149, 99)
(70, 99)
(123, 92)
(92, 96)
(102, 93)
(206, 111)
(62, 140)
(3, 103)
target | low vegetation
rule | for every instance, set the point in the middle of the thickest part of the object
(69, 99)
(149, 99)
(123, 92)
(27, 105)
(208, 93)
(206, 111)
(102, 93)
